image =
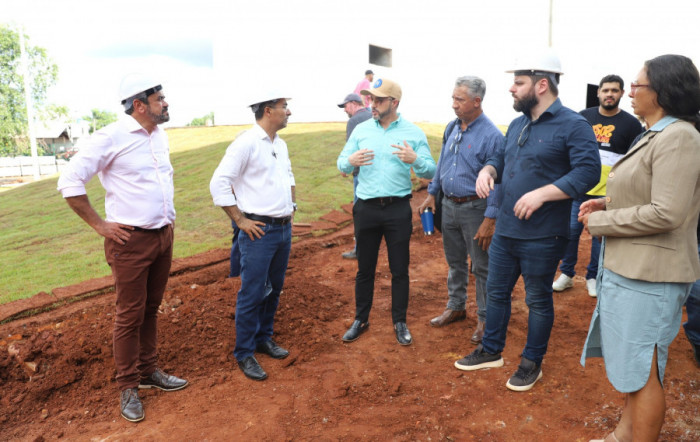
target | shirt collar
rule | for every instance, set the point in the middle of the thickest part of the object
(552, 109)
(662, 123)
(474, 122)
(134, 126)
(393, 123)
(260, 132)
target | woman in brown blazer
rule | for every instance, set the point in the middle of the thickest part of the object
(649, 259)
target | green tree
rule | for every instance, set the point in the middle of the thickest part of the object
(99, 119)
(13, 112)
(203, 120)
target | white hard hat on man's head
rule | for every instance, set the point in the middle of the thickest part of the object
(269, 95)
(135, 83)
(542, 62)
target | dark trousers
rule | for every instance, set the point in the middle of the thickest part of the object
(373, 221)
(141, 268)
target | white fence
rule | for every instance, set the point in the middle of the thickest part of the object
(24, 166)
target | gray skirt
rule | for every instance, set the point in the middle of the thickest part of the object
(630, 319)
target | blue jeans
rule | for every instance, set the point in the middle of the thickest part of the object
(692, 307)
(568, 262)
(263, 265)
(536, 260)
(460, 222)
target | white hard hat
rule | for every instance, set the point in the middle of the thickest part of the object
(543, 62)
(136, 83)
(269, 95)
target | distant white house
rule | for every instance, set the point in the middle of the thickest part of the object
(58, 136)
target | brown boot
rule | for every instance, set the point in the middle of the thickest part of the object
(478, 333)
(448, 316)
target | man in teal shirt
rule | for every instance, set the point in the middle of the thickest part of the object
(385, 149)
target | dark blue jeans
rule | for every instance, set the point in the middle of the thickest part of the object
(536, 260)
(692, 307)
(263, 265)
(568, 262)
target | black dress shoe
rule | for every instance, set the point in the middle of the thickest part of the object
(355, 330)
(271, 349)
(250, 367)
(163, 380)
(130, 404)
(402, 333)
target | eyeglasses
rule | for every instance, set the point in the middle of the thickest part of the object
(455, 143)
(284, 106)
(635, 86)
(524, 134)
(380, 100)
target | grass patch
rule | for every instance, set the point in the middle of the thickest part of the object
(45, 245)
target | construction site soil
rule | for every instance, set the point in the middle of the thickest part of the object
(57, 376)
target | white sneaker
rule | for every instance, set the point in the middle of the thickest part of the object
(562, 283)
(590, 285)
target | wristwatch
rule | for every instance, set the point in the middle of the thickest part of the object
(294, 206)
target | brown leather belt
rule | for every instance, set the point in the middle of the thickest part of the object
(462, 199)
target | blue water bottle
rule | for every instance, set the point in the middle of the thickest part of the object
(426, 218)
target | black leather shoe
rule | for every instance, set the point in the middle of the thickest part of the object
(271, 349)
(130, 404)
(355, 330)
(402, 333)
(163, 380)
(250, 367)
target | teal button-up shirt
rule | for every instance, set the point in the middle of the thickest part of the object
(387, 175)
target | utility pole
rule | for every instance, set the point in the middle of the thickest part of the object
(28, 101)
(551, 4)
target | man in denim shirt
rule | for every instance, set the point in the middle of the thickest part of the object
(468, 222)
(550, 156)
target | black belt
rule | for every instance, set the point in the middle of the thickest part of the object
(141, 229)
(269, 219)
(386, 200)
(462, 199)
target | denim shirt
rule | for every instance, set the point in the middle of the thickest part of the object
(463, 156)
(387, 175)
(558, 148)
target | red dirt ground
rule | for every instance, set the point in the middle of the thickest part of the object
(57, 372)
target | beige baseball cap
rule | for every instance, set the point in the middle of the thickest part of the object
(384, 87)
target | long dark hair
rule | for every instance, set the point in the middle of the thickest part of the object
(677, 84)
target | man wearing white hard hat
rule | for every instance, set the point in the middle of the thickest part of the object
(254, 185)
(550, 156)
(132, 159)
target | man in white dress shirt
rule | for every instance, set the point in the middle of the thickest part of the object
(132, 160)
(254, 185)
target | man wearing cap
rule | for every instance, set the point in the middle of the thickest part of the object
(468, 221)
(365, 83)
(357, 112)
(254, 185)
(131, 158)
(550, 156)
(385, 150)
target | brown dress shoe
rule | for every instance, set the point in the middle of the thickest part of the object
(478, 333)
(448, 316)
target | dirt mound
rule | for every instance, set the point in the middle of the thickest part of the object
(57, 372)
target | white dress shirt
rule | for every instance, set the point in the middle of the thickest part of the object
(259, 171)
(134, 168)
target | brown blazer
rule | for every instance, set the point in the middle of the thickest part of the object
(652, 206)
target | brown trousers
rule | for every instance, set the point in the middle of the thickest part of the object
(141, 268)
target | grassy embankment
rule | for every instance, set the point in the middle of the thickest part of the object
(44, 245)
